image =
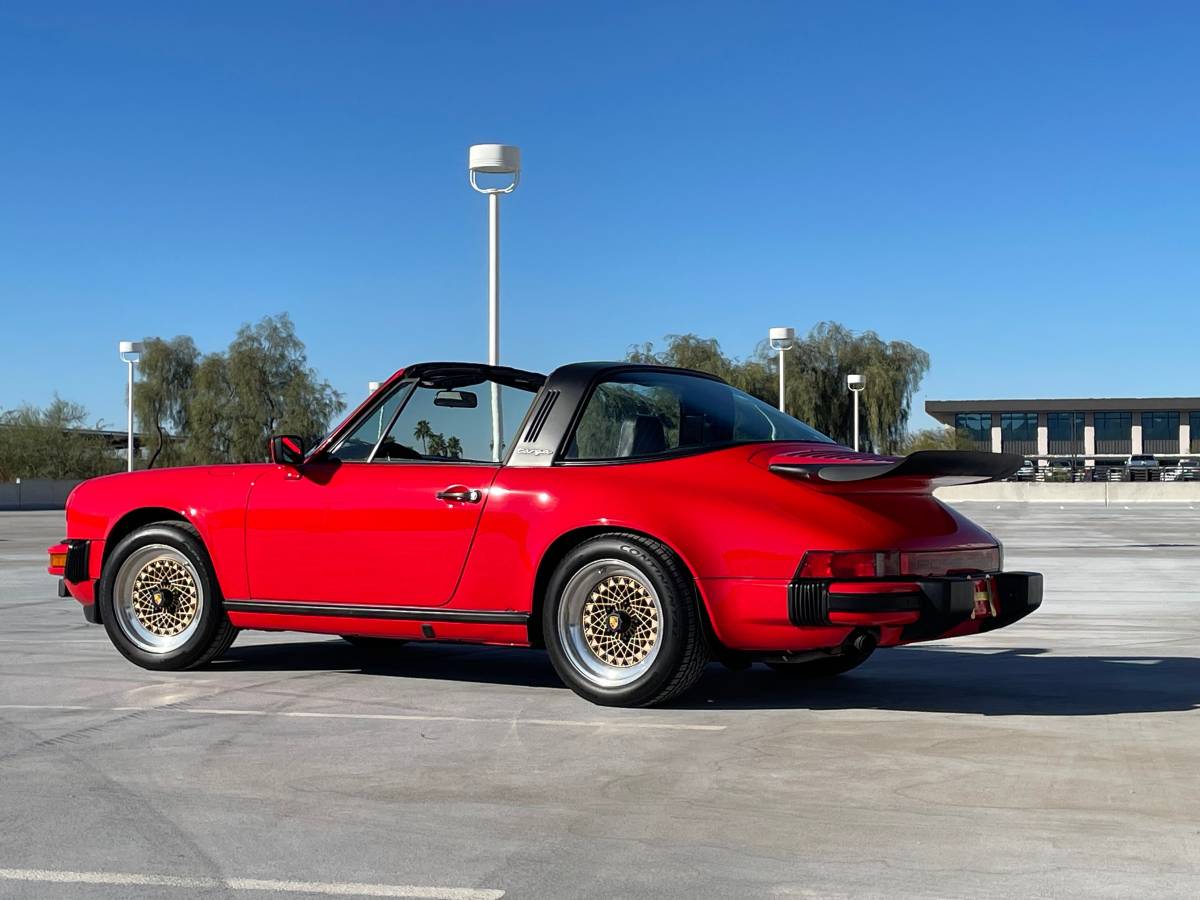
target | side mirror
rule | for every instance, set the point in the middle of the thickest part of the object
(287, 449)
(456, 399)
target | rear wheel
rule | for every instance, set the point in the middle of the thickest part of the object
(622, 622)
(159, 599)
(823, 668)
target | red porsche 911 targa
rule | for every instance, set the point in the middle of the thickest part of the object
(636, 521)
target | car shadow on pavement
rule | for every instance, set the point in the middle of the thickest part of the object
(1015, 682)
(519, 667)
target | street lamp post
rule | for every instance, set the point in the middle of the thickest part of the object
(856, 383)
(130, 352)
(781, 341)
(494, 159)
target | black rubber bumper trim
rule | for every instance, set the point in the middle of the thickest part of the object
(76, 569)
(91, 613)
(361, 611)
(942, 602)
(62, 588)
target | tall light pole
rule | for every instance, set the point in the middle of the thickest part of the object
(782, 340)
(494, 159)
(130, 352)
(856, 383)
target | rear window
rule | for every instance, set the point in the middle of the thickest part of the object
(643, 414)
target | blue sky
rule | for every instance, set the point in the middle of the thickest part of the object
(1014, 187)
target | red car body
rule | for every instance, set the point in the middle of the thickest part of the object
(359, 548)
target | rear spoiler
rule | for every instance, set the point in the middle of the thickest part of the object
(939, 467)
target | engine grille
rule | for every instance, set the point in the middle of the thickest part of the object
(808, 603)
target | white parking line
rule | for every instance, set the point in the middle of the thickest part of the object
(329, 889)
(377, 717)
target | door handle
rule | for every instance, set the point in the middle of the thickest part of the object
(457, 494)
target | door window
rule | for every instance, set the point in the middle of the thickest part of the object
(358, 444)
(440, 424)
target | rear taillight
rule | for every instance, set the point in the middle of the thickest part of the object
(833, 564)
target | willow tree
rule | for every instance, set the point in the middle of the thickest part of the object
(816, 378)
(160, 399)
(225, 405)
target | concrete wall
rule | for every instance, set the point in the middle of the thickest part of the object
(35, 493)
(1101, 493)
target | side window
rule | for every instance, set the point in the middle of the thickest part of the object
(358, 444)
(642, 414)
(440, 424)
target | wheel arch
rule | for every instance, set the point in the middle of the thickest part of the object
(137, 518)
(566, 542)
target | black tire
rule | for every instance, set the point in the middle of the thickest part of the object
(212, 633)
(373, 644)
(678, 661)
(822, 668)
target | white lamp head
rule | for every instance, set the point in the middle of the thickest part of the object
(129, 350)
(782, 338)
(494, 159)
(856, 382)
(372, 386)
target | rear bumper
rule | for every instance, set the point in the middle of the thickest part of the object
(803, 614)
(925, 608)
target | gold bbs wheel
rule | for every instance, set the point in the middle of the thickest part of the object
(620, 621)
(610, 622)
(158, 598)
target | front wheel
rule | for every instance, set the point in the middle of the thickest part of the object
(622, 622)
(159, 599)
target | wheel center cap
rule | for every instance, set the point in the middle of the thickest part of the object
(618, 622)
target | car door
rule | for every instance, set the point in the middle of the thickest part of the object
(387, 516)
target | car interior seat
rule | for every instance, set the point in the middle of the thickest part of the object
(641, 436)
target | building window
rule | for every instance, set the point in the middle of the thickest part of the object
(1194, 421)
(977, 427)
(1018, 432)
(1065, 433)
(1113, 432)
(1160, 432)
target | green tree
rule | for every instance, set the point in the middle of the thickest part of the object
(228, 404)
(454, 447)
(937, 438)
(209, 438)
(50, 443)
(160, 398)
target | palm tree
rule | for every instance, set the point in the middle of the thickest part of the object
(454, 447)
(423, 432)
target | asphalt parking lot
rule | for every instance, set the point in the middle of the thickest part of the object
(1059, 757)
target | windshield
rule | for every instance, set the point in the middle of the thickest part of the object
(641, 413)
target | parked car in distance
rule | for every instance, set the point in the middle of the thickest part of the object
(1026, 472)
(635, 521)
(1187, 469)
(1060, 470)
(1142, 461)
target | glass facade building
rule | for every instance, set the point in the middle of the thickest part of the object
(1114, 433)
(1065, 433)
(1102, 431)
(1160, 432)
(1018, 433)
(977, 426)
